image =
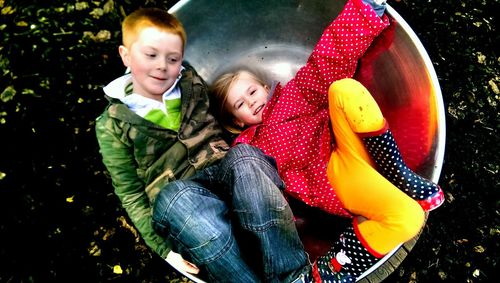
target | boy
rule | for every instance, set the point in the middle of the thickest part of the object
(157, 129)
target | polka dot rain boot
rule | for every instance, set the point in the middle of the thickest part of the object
(345, 261)
(386, 154)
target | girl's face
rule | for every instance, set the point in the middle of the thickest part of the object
(155, 60)
(246, 98)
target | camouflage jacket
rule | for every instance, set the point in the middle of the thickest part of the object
(142, 157)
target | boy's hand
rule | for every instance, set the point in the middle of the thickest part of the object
(180, 264)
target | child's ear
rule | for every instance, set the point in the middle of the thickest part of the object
(238, 122)
(124, 55)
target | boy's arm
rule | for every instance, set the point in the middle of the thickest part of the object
(342, 44)
(119, 161)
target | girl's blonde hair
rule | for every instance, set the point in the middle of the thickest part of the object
(143, 18)
(219, 93)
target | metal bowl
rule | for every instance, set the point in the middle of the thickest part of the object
(275, 37)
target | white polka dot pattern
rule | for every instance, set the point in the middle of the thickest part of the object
(346, 260)
(296, 128)
(386, 154)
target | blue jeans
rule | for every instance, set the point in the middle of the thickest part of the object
(240, 195)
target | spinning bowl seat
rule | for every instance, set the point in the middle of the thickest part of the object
(276, 37)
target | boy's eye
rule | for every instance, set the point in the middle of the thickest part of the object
(252, 92)
(150, 55)
(173, 60)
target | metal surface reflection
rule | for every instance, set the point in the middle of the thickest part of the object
(275, 37)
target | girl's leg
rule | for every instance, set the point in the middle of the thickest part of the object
(366, 119)
(389, 216)
(362, 189)
(385, 152)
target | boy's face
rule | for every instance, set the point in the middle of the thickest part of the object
(246, 99)
(155, 60)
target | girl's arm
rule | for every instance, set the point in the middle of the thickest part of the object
(336, 54)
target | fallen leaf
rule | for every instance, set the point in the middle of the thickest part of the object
(117, 269)
(479, 249)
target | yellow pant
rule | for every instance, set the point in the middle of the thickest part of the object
(388, 216)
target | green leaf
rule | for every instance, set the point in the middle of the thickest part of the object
(8, 94)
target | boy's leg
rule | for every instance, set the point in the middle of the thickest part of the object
(252, 181)
(197, 223)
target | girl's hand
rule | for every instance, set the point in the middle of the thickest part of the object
(180, 264)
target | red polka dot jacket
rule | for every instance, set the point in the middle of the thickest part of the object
(296, 127)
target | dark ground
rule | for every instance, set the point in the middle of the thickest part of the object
(60, 221)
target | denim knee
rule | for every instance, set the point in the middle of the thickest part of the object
(249, 153)
(255, 187)
(245, 161)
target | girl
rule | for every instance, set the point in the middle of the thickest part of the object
(336, 173)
